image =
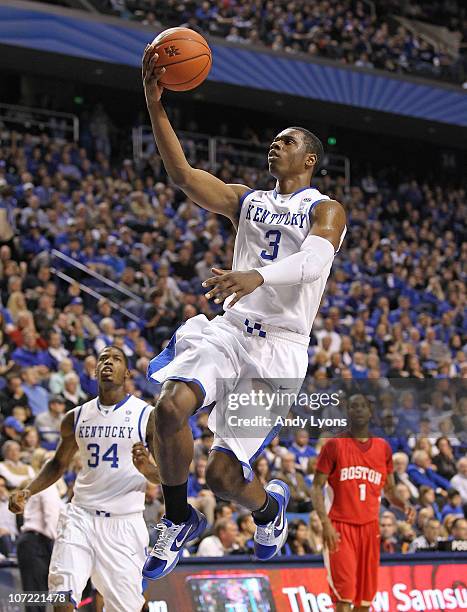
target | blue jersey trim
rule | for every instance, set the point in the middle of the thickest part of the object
(247, 193)
(163, 359)
(299, 191)
(139, 423)
(120, 403)
(271, 435)
(77, 415)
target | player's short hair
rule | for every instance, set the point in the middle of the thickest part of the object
(313, 145)
(117, 348)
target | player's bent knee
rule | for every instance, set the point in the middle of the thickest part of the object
(174, 408)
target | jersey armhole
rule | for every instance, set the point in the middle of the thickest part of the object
(140, 421)
(244, 195)
(76, 415)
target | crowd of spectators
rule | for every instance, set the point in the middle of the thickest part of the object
(394, 310)
(347, 31)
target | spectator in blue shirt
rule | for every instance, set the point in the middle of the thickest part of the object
(421, 474)
(29, 355)
(453, 505)
(87, 379)
(38, 397)
(302, 450)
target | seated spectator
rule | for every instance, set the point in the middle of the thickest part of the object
(315, 527)
(298, 538)
(13, 395)
(48, 423)
(199, 494)
(459, 481)
(453, 504)
(8, 527)
(107, 335)
(21, 414)
(404, 494)
(430, 537)
(30, 442)
(421, 474)
(88, 379)
(261, 470)
(38, 397)
(389, 542)
(427, 499)
(29, 355)
(12, 469)
(299, 493)
(12, 429)
(223, 542)
(57, 379)
(302, 450)
(56, 351)
(459, 529)
(444, 461)
(406, 535)
(274, 452)
(401, 461)
(72, 391)
(203, 445)
(246, 531)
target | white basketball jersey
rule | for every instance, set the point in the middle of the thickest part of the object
(108, 481)
(273, 226)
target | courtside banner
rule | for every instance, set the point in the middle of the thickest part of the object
(247, 587)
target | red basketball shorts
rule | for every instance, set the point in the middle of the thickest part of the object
(353, 568)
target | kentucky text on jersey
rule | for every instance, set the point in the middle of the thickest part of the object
(262, 215)
(104, 431)
(360, 472)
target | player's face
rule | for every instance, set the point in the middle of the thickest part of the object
(288, 155)
(111, 367)
(359, 411)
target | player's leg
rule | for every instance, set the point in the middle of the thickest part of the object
(120, 551)
(174, 444)
(368, 565)
(341, 567)
(72, 557)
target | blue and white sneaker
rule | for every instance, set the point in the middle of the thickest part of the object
(270, 538)
(170, 542)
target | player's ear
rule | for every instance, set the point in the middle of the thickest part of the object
(311, 160)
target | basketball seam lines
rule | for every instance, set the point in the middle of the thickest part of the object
(187, 59)
(190, 39)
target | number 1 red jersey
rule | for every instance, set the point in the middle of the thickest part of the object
(357, 472)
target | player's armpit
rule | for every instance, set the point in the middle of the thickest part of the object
(211, 193)
(329, 221)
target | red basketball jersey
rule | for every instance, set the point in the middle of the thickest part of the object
(357, 473)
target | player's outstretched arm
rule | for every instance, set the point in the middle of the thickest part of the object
(203, 188)
(330, 535)
(52, 470)
(393, 498)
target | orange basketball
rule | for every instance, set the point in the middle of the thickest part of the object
(185, 55)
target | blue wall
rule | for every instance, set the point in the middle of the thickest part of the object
(123, 43)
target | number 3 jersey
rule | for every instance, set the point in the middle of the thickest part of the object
(108, 481)
(357, 473)
(273, 226)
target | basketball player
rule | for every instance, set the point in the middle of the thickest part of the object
(102, 533)
(356, 469)
(284, 249)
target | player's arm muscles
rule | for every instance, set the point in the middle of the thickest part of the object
(53, 469)
(203, 188)
(316, 252)
(330, 536)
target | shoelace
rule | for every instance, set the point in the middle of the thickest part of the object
(265, 534)
(166, 533)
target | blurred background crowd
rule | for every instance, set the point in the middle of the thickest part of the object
(393, 313)
(359, 33)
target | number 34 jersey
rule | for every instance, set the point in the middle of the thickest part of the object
(271, 227)
(357, 472)
(108, 482)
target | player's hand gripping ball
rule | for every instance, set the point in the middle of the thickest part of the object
(178, 59)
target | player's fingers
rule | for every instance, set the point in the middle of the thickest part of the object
(217, 280)
(220, 272)
(223, 288)
(237, 295)
(230, 290)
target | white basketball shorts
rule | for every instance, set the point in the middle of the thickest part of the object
(109, 550)
(228, 357)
